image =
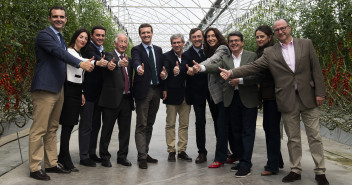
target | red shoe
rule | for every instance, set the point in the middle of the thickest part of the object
(231, 160)
(216, 165)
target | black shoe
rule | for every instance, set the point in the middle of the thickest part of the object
(124, 162)
(291, 177)
(184, 156)
(74, 169)
(39, 175)
(57, 169)
(151, 160)
(321, 179)
(106, 163)
(87, 162)
(171, 157)
(242, 172)
(95, 158)
(235, 168)
(201, 158)
(142, 164)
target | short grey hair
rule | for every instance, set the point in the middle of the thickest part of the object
(119, 34)
(176, 36)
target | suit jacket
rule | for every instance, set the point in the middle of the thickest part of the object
(174, 85)
(141, 84)
(307, 75)
(197, 85)
(50, 72)
(114, 83)
(92, 82)
(215, 82)
(249, 92)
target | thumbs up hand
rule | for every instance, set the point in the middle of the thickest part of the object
(196, 67)
(225, 74)
(190, 71)
(124, 62)
(163, 74)
(111, 64)
(87, 65)
(102, 62)
(176, 69)
(140, 71)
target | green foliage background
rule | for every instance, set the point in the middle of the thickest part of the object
(20, 21)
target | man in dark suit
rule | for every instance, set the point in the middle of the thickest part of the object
(116, 102)
(91, 114)
(299, 89)
(47, 94)
(241, 98)
(197, 90)
(147, 86)
(175, 101)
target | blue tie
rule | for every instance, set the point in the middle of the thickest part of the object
(63, 45)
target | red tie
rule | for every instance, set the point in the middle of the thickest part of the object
(126, 78)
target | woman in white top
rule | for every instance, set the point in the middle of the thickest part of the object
(73, 96)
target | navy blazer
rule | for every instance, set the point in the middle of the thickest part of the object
(50, 71)
(197, 85)
(114, 84)
(174, 85)
(141, 84)
(92, 82)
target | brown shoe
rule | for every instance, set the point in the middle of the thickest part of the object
(201, 158)
(171, 157)
(267, 173)
(321, 179)
(39, 175)
(183, 156)
(142, 164)
(291, 177)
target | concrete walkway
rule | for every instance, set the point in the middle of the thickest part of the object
(338, 163)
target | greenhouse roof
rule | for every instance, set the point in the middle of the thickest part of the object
(178, 16)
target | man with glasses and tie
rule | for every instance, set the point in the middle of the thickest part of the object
(299, 89)
(147, 87)
(116, 102)
(47, 94)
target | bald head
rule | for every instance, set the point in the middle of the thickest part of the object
(282, 31)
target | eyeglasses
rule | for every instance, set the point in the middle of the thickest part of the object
(282, 29)
(235, 40)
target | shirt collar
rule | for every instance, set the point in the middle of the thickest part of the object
(240, 55)
(118, 54)
(55, 31)
(285, 45)
(197, 50)
(100, 48)
(146, 46)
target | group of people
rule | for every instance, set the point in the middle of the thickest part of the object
(83, 81)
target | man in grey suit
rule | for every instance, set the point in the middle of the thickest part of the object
(240, 97)
(299, 89)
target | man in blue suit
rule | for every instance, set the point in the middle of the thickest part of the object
(147, 86)
(47, 94)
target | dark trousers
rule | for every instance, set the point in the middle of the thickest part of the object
(243, 123)
(85, 129)
(199, 111)
(271, 124)
(96, 123)
(123, 116)
(223, 133)
(64, 156)
(146, 110)
(214, 110)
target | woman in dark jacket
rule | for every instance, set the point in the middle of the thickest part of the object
(271, 115)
